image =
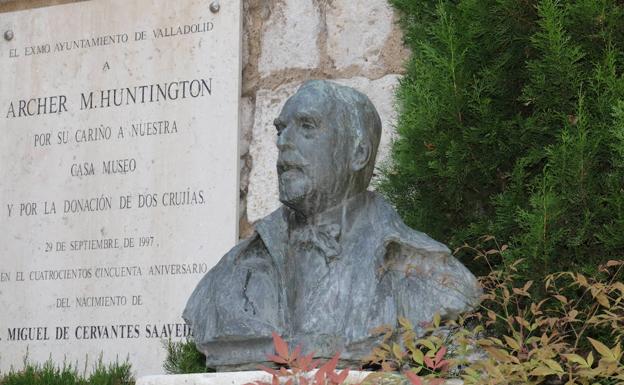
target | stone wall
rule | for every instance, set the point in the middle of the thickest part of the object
(285, 42)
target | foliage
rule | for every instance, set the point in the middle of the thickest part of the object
(51, 374)
(520, 340)
(183, 357)
(296, 368)
(401, 349)
(511, 122)
(551, 337)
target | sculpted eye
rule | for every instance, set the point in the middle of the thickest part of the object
(308, 125)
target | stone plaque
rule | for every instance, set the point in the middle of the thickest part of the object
(118, 174)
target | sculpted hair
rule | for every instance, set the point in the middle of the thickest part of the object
(355, 110)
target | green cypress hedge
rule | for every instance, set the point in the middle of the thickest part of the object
(511, 123)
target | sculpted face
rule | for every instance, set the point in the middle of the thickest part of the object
(315, 147)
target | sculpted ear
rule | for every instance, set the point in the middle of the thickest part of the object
(362, 154)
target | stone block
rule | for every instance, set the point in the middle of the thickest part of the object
(289, 37)
(357, 32)
(262, 195)
(381, 93)
(245, 134)
(138, 199)
(262, 198)
(240, 378)
(246, 125)
(228, 378)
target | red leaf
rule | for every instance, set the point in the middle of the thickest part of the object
(413, 378)
(295, 354)
(281, 347)
(429, 362)
(442, 365)
(314, 364)
(330, 365)
(289, 382)
(339, 378)
(319, 377)
(268, 370)
(439, 355)
(303, 361)
(276, 359)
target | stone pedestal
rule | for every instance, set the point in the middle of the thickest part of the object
(241, 378)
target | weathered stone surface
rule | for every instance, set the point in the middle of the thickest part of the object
(245, 135)
(241, 378)
(17, 5)
(283, 35)
(246, 125)
(230, 378)
(290, 37)
(130, 211)
(334, 261)
(357, 32)
(381, 93)
(382, 378)
(263, 195)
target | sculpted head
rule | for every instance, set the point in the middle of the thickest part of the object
(327, 140)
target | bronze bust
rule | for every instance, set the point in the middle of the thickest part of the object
(332, 263)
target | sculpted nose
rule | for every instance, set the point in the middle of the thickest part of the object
(284, 141)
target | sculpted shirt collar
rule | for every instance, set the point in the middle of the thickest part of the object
(336, 222)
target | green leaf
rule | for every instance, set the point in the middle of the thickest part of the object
(512, 343)
(604, 351)
(405, 323)
(576, 359)
(554, 365)
(397, 351)
(436, 320)
(418, 356)
(542, 371)
(426, 343)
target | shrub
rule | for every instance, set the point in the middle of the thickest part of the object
(512, 339)
(518, 340)
(183, 357)
(552, 337)
(418, 357)
(51, 374)
(511, 122)
(296, 368)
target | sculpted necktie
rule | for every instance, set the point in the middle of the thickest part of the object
(323, 237)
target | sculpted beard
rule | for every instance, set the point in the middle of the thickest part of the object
(293, 184)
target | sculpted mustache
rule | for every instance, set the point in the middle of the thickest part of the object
(291, 161)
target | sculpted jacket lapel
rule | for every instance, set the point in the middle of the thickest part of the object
(275, 233)
(273, 230)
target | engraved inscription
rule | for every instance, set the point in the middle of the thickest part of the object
(119, 168)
